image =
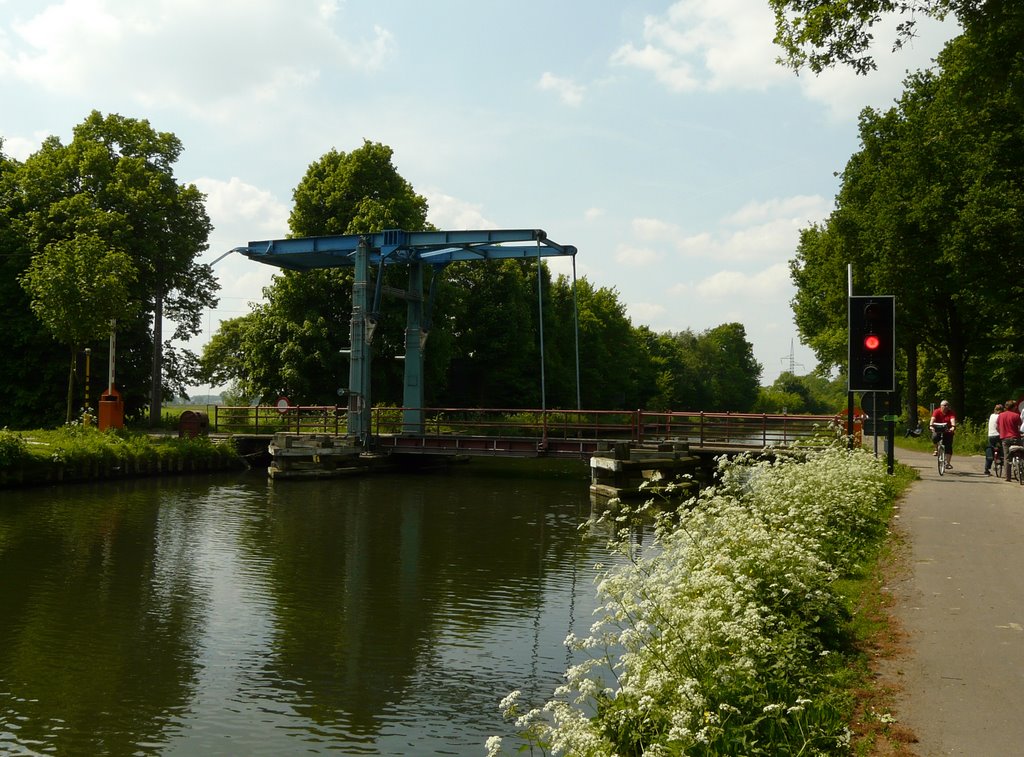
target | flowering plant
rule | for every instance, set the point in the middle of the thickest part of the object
(720, 638)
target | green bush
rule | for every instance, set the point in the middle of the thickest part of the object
(77, 446)
(13, 448)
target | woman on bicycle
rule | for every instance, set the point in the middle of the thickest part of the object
(943, 415)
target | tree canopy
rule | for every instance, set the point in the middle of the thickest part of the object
(930, 210)
(355, 193)
(78, 287)
(819, 34)
(114, 182)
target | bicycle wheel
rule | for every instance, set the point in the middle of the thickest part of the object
(1018, 466)
(941, 459)
(997, 463)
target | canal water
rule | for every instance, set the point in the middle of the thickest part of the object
(228, 615)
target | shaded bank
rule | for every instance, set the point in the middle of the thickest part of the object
(76, 454)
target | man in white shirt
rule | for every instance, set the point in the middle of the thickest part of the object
(993, 439)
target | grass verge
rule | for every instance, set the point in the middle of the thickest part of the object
(76, 452)
(878, 641)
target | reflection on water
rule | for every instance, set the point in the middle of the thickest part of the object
(375, 615)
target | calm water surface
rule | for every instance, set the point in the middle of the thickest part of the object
(381, 615)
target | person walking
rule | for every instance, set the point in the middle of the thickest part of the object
(1008, 425)
(944, 416)
(993, 438)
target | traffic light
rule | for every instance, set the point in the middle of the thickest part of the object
(872, 349)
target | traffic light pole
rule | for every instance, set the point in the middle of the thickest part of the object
(890, 430)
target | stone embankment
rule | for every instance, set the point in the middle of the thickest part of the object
(36, 473)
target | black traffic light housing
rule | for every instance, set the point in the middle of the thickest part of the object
(872, 346)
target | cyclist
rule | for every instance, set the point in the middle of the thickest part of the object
(943, 414)
(1008, 424)
(993, 438)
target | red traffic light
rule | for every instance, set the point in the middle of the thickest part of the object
(872, 342)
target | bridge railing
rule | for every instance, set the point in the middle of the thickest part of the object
(269, 419)
(754, 430)
(520, 422)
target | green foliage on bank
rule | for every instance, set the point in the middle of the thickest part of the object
(811, 394)
(735, 632)
(82, 451)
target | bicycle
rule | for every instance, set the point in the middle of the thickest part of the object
(1016, 463)
(997, 459)
(939, 437)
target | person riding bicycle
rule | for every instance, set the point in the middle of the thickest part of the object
(993, 439)
(1008, 424)
(946, 418)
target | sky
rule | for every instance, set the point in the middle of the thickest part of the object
(661, 139)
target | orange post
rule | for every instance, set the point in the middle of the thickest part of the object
(111, 410)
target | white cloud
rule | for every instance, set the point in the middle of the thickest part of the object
(674, 73)
(770, 240)
(642, 313)
(593, 214)
(447, 212)
(718, 45)
(767, 230)
(708, 44)
(240, 213)
(845, 93)
(654, 228)
(799, 207)
(568, 91)
(766, 285)
(228, 56)
(234, 203)
(20, 148)
(637, 256)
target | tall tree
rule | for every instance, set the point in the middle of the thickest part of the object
(732, 373)
(297, 341)
(355, 193)
(115, 180)
(78, 286)
(492, 312)
(30, 401)
(929, 210)
(609, 353)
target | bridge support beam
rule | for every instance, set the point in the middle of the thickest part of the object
(360, 339)
(415, 341)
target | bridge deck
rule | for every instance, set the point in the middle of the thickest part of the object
(534, 433)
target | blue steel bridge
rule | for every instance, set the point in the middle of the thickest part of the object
(413, 428)
(415, 251)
